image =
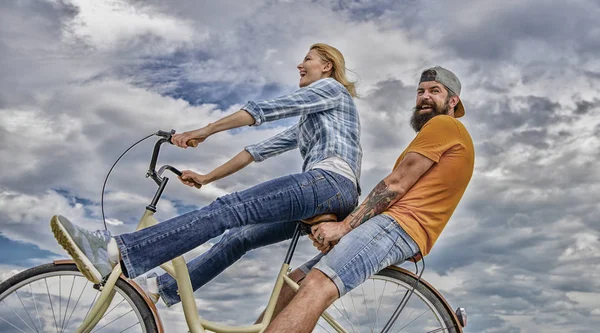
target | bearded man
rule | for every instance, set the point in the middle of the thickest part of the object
(403, 215)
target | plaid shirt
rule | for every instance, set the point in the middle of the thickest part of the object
(328, 126)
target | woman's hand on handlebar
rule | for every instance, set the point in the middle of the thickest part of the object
(192, 179)
(191, 138)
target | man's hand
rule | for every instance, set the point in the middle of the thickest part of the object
(323, 248)
(192, 179)
(330, 232)
(191, 138)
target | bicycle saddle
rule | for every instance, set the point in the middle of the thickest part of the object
(320, 218)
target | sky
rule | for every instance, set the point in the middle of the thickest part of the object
(82, 80)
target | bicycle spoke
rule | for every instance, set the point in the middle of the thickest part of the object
(20, 330)
(51, 306)
(437, 330)
(112, 321)
(37, 313)
(16, 314)
(365, 302)
(62, 328)
(347, 315)
(354, 305)
(27, 312)
(59, 299)
(344, 307)
(412, 321)
(411, 313)
(321, 326)
(380, 301)
(76, 303)
(129, 327)
(91, 304)
(114, 307)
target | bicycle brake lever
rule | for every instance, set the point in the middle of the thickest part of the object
(165, 134)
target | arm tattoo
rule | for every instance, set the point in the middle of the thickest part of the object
(376, 202)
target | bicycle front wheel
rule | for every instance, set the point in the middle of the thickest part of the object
(371, 306)
(57, 298)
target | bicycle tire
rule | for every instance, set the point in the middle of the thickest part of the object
(19, 291)
(425, 300)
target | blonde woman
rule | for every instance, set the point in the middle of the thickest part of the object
(328, 138)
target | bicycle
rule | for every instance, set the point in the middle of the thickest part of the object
(31, 299)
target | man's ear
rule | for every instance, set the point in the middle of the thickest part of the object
(454, 101)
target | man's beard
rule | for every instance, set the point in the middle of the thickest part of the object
(418, 120)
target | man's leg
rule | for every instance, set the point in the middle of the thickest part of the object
(315, 295)
(286, 294)
(232, 246)
(372, 246)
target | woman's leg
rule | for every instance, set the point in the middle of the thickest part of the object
(290, 198)
(223, 254)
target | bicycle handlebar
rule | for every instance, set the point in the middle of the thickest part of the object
(156, 175)
(152, 173)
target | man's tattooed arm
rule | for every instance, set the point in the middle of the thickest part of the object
(376, 203)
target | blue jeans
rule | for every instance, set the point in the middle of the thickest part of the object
(377, 243)
(261, 215)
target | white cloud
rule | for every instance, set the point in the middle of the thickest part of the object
(107, 25)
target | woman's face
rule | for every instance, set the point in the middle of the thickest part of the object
(313, 68)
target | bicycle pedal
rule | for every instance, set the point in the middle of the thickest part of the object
(100, 286)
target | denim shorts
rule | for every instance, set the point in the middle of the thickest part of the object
(371, 247)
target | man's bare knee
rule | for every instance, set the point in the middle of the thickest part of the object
(318, 284)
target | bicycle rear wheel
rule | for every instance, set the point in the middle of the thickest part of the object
(57, 298)
(369, 307)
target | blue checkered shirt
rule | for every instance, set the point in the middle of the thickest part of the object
(328, 126)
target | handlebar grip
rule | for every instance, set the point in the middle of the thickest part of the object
(192, 143)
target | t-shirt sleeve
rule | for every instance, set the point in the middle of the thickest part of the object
(435, 138)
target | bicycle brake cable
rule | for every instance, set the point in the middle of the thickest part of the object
(108, 174)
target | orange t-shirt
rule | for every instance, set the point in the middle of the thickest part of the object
(425, 209)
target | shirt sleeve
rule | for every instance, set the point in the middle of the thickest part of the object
(274, 145)
(322, 95)
(435, 138)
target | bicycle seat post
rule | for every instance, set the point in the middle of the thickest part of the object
(292, 248)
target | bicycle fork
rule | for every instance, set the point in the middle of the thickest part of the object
(99, 309)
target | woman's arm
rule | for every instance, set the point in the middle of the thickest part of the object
(272, 146)
(322, 95)
(237, 163)
(193, 138)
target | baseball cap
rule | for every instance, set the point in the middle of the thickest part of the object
(449, 80)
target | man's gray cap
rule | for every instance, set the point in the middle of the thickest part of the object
(449, 80)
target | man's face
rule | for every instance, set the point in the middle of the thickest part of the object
(432, 100)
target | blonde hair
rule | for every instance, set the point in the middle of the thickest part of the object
(338, 65)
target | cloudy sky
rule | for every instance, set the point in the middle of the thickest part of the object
(81, 80)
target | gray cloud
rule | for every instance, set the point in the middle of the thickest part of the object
(583, 107)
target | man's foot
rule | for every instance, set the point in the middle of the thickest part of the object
(144, 281)
(88, 248)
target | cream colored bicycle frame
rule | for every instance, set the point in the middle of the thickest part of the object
(178, 270)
